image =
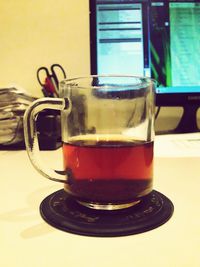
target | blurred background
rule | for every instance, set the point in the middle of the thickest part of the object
(39, 33)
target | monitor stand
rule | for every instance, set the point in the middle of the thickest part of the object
(188, 122)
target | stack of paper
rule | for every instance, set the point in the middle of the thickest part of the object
(13, 103)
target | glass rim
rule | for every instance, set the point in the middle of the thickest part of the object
(142, 79)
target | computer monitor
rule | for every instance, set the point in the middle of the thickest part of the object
(160, 39)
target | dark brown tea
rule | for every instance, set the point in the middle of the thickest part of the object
(108, 169)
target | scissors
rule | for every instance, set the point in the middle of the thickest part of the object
(51, 81)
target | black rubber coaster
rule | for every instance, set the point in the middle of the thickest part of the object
(64, 213)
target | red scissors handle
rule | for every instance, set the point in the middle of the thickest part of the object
(44, 72)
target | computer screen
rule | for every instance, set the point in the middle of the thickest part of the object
(159, 39)
(175, 45)
(120, 37)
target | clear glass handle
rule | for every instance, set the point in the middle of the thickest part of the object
(31, 139)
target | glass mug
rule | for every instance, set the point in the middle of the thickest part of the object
(107, 125)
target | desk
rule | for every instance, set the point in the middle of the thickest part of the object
(26, 240)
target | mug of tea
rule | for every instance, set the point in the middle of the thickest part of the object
(107, 126)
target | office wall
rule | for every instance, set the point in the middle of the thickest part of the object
(38, 33)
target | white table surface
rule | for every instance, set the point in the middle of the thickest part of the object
(26, 240)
